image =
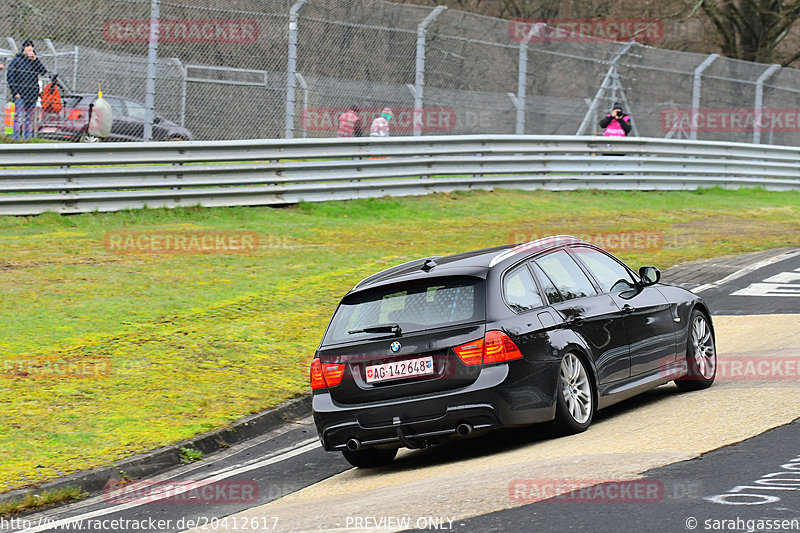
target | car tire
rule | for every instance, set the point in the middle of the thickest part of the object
(176, 138)
(370, 458)
(701, 355)
(89, 139)
(575, 397)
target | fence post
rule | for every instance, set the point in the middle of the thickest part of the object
(152, 58)
(522, 81)
(760, 101)
(303, 85)
(75, 71)
(696, 87)
(184, 74)
(419, 83)
(291, 80)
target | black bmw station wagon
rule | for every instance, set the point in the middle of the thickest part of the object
(545, 331)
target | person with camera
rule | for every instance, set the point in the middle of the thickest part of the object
(617, 123)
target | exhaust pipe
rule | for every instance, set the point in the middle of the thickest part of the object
(464, 429)
(353, 444)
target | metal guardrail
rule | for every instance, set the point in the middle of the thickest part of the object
(79, 178)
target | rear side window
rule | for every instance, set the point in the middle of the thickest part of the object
(414, 307)
(568, 277)
(520, 291)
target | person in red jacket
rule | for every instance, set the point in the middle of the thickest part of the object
(617, 123)
(350, 123)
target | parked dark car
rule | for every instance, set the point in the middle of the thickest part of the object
(549, 330)
(128, 124)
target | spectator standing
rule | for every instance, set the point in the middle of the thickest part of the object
(380, 126)
(23, 81)
(350, 123)
(617, 123)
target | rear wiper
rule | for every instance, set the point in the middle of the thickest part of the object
(394, 327)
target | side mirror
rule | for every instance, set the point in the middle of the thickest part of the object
(650, 275)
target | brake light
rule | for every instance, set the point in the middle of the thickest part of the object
(75, 114)
(499, 347)
(470, 353)
(325, 375)
(494, 347)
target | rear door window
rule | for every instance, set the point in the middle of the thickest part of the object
(413, 306)
(567, 276)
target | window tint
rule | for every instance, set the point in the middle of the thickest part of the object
(117, 109)
(611, 275)
(549, 289)
(520, 290)
(567, 275)
(135, 110)
(414, 307)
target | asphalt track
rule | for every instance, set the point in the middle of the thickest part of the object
(681, 444)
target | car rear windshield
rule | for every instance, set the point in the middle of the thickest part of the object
(418, 306)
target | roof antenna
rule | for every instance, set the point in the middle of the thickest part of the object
(428, 265)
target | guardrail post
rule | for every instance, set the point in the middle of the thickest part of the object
(419, 83)
(759, 103)
(152, 58)
(697, 85)
(291, 80)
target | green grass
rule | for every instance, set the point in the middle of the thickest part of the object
(47, 498)
(192, 342)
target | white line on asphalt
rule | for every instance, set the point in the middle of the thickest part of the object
(281, 455)
(747, 270)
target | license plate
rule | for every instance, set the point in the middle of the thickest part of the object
(402, 369)
(48, 129)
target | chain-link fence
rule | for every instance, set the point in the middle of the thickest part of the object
(289, 68)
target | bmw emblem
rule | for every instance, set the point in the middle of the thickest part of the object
(395, 346)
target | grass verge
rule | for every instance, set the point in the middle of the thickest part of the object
(47, 498)
(108, 354)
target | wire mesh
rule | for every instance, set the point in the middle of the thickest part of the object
(223, 72)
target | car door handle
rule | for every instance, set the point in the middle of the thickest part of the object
(576, 320)
(627, 309)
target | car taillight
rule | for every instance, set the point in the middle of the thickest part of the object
(494, 347)
(499, 347)
(75, 114)
(325, 375)
(470, 353)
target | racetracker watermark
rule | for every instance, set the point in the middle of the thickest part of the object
(613, 241)
(586, 491)
(30, 368)
(730, 120)
(404, 120)
(748, 369)
(182, 31)
(184, 242)
(184, 491)
(583, 30)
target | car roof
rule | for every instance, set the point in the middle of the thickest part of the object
(474, 263)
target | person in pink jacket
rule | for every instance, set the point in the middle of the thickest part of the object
(617, 123)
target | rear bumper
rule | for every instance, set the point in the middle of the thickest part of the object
(490, 402)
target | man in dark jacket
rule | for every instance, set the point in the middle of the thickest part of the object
(23, 80)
